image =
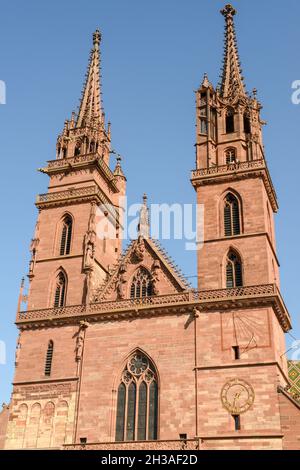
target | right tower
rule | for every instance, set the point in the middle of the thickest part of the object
(241, 353)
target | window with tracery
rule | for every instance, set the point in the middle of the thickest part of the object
(234, 275)
(141, 285)
(137, 402)
(60, 291)
(66, 236)
(232, 225)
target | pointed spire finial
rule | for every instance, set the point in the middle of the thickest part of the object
(97, 37)
(144, 225)
(90, 109)
(205, 82)
(118, 170)
(232, 84)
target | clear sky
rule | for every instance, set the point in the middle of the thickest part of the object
(154, 55)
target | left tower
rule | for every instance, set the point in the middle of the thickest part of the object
(71, 255)
(68, 257)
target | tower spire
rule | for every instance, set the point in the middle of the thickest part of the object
(232, 81)
(90, 110)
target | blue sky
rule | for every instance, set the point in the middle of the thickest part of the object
(154, 55)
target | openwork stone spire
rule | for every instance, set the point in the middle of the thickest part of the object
(90, 111)
(232, 80)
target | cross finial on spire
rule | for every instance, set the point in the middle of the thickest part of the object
(144, 226)
(232, 84)
(228, 10)
(96, 37)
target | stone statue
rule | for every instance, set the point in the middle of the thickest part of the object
(79, 344)
(18, 351)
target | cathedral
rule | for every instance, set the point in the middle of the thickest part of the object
(115, 349)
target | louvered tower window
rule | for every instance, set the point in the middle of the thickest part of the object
(137, 402)
(49, 356)
(66, 236)
(234, 276)
(60, 291)
(141, 285)
(232, 225)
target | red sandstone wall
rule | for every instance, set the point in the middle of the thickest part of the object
(290, 421)
(259, 262)
(3, 426)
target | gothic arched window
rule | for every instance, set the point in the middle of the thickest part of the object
(232, 224)
(137, 402)
(60, 290)
(230, 156)
(141, 285)
(234, 275)
(66, 236)
(247, 124)
(77, 150)
(229, 121)
(49, 356)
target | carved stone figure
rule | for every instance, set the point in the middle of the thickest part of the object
(79, 344)
(139, 251)
(18, 351)
(121, 281)
(155, 277)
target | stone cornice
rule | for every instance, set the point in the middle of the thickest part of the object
(45, 381)
(75, 195)
(237, 171)
(171, 304)
(81, 161)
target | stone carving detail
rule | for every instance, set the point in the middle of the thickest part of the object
(155, 271)
(18, 350)
(33, 249)
(80, 340)
(139, 250)
(90, 240)
(121, 281)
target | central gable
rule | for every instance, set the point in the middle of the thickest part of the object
(143, 270)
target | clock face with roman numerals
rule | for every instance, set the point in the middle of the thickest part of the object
(237, 396)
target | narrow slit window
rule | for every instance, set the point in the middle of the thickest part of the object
(49, 357)
(236, 353)
(237, 422)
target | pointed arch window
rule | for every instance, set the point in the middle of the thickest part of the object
(137, 402)
(49, 357)
(232, 224)
(234, 275)
(141, 285)
(60, 291)
(66, 236)
(77, 150)
(247, 124)
(230, 121)
(230, 156)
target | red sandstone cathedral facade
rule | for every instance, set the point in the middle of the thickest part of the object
(115, 351)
